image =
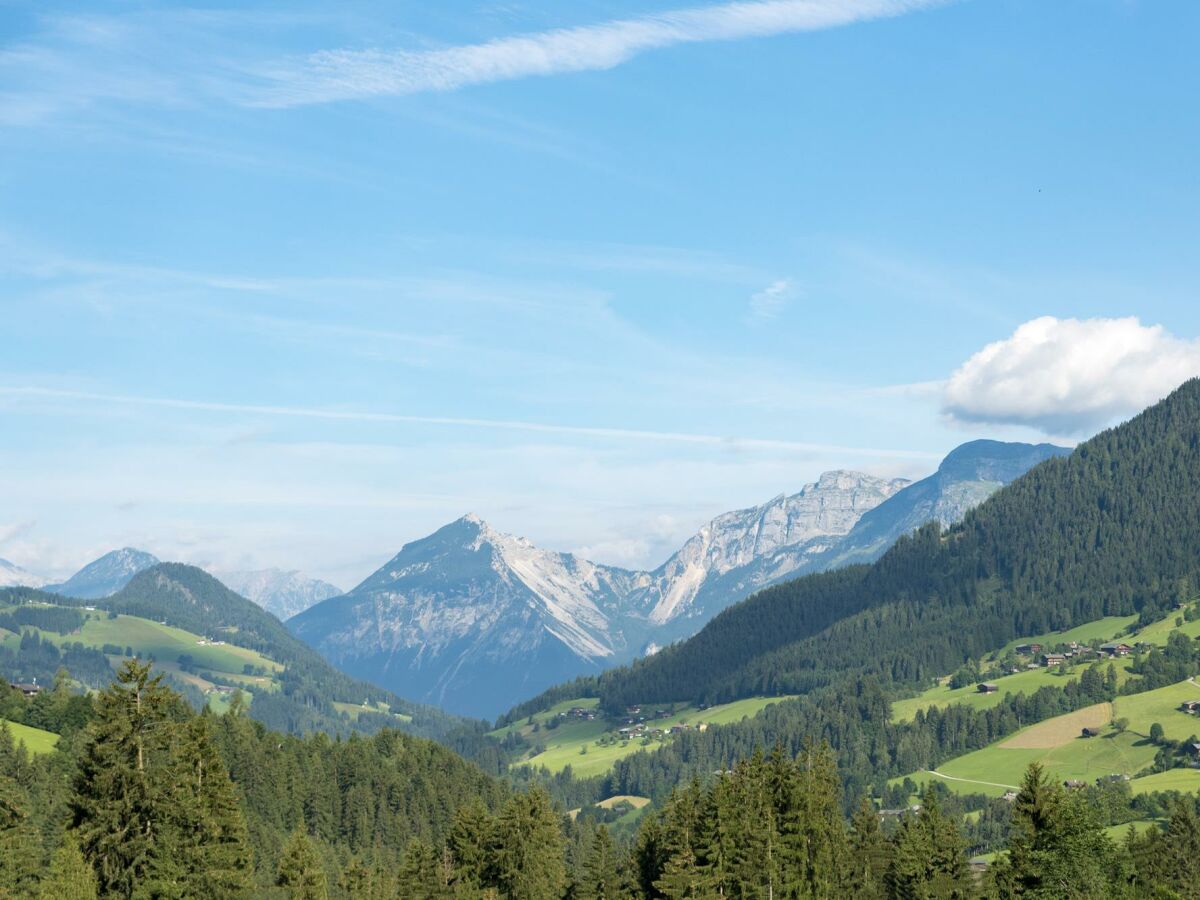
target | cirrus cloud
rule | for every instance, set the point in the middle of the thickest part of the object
(1070, 376)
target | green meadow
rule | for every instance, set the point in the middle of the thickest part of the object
(1059, 746)
(35, 740)
(577, 743)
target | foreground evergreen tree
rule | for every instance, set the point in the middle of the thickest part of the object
(529, 853)
(421, 875)
(20, 847)
(928, 857)
(601, 878)
(1168, 859)
(869, 854)
(69, 875)
(153, 806)
(1058, 848)
(212, 846)
(300, 870)
(120, 809)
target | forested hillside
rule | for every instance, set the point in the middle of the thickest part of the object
(143, 798)
(188, 598)
(1112, 529)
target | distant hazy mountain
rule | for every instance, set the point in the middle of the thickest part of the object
(282, 593)
(967, 476)
(470, 618)
(106, 575)
(12, 575)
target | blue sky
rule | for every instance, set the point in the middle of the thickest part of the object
(295, 284)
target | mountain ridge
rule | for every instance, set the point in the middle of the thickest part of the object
(469, 616)
(106, 575)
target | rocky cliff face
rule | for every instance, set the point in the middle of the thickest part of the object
(468, 618)
(742, 551)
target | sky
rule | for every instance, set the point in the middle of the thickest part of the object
(293, 284)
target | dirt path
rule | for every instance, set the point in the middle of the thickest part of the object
(1011, 787)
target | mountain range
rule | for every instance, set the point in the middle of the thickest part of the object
(12, 575)
(283, 594)
(471, 619)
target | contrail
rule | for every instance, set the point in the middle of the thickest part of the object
(338, 415)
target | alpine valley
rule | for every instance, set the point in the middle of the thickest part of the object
(471, 619)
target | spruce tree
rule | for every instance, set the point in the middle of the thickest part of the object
(869, 853)
(420, 876)
(1057, 846)
(601, 877)
(69, 875)
(529, 848)
(212, 845)
(119, 806)
(20, 845)
(470, 844)
(300, 870)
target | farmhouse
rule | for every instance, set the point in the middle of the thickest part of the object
(986, 687)
(1029, 649)
(1116, 648)
(1189, 706)
(1053, 659)
(28, 689)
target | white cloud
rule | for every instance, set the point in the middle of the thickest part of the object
(1070, 376)
(332, 75)
(770, 301)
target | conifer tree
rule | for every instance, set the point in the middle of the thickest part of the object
(69, 875)
(601, 877)
(1057, 847)
(212, 846)
(20, 846)
(529, 848)
(681, 878)
(869, 854)
(420, 876)
(119, 806)
(300, 870)
(470, 844)
(928, 856)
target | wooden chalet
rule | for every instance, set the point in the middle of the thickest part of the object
(986, 687)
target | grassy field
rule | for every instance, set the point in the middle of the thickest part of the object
(1101, 629)
(1057, 745)
(576, 742)
(34, 739)
(1187, 780)
(1162, 706)
(1029, 681)
(354, 710)
(632, 799)
(1116, 833)
(163, 642)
